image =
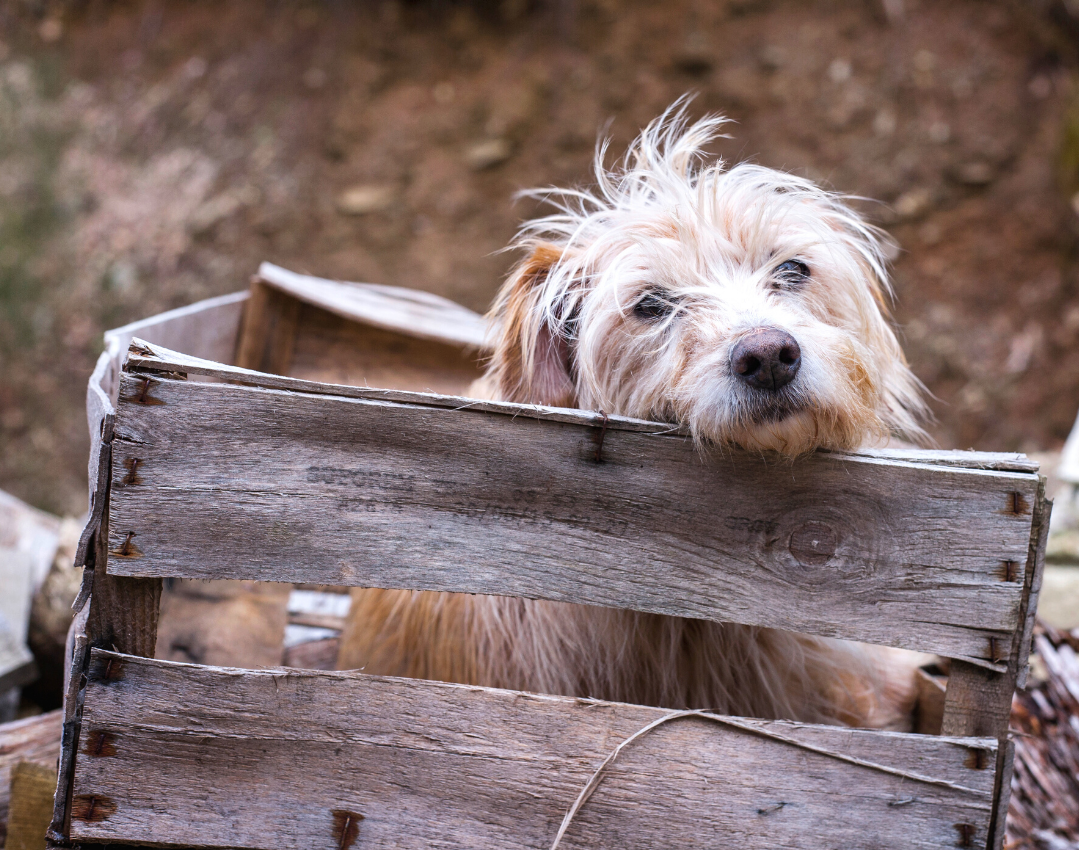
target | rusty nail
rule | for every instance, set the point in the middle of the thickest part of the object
(125, 549)
(767, 810)
(977, 759)
(966, 834)
(132, 465)
(90, 807)
(145, 388)
(599, 440)
(1011, 571)
(994, 653)
(1019, 504)
(346, 827)
(101, 744)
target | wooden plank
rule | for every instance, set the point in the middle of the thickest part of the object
(123, 610)
(31, 805)
(978, 701)
(409, 311)
(268, 330)
(205, 329)
(35, 739)
(342, 491)
(148, 357)
(100, 415)
(1002, 461)
(331, 349)
(209, 757)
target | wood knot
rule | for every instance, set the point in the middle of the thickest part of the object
(813, 543)
(346, 827)
(92, 808)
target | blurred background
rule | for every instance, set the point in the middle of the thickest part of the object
(152, 153)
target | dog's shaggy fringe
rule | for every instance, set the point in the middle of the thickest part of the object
(705, 240)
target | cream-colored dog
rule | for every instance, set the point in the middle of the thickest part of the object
(744, 303)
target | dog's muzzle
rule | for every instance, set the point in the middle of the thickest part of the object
(766, 359)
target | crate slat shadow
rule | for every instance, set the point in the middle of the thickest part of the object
(304, 473)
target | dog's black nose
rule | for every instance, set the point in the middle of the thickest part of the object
(766, 358)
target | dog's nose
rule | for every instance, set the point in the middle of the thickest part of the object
(766, 358)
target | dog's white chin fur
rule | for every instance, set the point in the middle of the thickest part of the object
(565, 334)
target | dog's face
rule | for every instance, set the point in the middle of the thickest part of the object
(745, 303)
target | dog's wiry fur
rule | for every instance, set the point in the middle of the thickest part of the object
(703, 243)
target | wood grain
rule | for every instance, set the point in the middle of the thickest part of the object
(333, 490)
(267, 330)
(978, 701)
(331, 349)
(205, 329)
(409, 311)
(32, 785)
(35, 739)
(212, 757)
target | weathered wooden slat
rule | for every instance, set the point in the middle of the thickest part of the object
(205, 329)
(331, 349)
(210, 757)
(34, 739)
(977, 701)
(268, 330)
(411, 311)
(342, 491)
(1002, 461)
(149, 357)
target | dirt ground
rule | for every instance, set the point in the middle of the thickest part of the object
(152, 153)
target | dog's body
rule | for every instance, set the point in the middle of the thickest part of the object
(745, 304)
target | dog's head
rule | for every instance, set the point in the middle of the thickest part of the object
(745, 303)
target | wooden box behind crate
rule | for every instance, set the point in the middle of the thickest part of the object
(266, 477)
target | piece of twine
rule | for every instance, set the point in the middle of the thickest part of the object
(597, 775)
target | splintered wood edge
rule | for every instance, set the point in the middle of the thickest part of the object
(147, 357)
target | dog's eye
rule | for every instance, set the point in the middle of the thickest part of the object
(652, 306)
(792, 272)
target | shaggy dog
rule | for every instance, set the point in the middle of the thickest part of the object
(744, 303)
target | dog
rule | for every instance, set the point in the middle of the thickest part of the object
(744, 303)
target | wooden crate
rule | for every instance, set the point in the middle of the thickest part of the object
(206, 470)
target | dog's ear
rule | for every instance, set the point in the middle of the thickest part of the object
(532, 360)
